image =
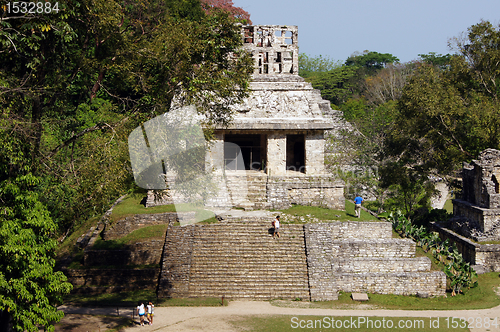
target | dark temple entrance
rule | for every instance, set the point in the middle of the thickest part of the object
(252, 149)
(295, 153)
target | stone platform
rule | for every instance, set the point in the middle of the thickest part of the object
(239, 259)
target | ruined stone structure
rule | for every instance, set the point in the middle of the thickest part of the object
(477, 213)
(238, 258)
(363, 257)
(272, 154)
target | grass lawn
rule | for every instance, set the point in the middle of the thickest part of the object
(67, 247)
(132, 205)
(308, 212)
(347, 323)
(150, 232)
(122, 299)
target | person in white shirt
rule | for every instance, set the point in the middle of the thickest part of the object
(276, 227)
(141, 312)
(151, 312)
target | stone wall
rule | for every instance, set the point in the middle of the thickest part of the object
(377, 264)
(319, 254)
(477, 214)
(89, 281)
(408, 283)
(323, 191)
(176, 264)
(385, 248)
(484, 255)
(273, 47)
(359, 229)
(483, 222)
(363, 257)
(140, 253)
(481, 180)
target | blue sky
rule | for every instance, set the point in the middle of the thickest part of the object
(403, 28)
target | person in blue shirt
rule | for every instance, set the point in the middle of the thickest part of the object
(357, 205)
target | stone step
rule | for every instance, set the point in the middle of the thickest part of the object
(377, 264)
(337, 230)
(248, 282)
(253, 267)
(228, 288)
(402, 283)
(387, 248)
(249, 225)
(241, 260)
(251, 295)
(240, 247)
(257, 259)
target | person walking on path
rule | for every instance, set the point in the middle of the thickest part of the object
(357, 205)
(141, 312)
(276, 227)
(151, 312)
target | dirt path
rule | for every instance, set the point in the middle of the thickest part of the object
(180, 319)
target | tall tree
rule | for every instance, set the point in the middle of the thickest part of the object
(439, 60)
(388, 83)
(371, 61)
(238, 13)
(310, 65)
(448, 116)
(29, 288)
(336, 85)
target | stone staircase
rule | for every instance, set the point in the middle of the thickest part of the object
(241, 260)
(252, 194)
(363, 257)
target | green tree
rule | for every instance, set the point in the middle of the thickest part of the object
(336, 85)
(439, 60)
(477, 65)
(29, 288)
(448, 116)
(371, 61)
(310, 66)
(409, 189)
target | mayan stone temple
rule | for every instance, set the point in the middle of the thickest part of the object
(276, 142)
(270, 157)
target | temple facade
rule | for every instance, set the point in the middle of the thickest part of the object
(272, 154)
